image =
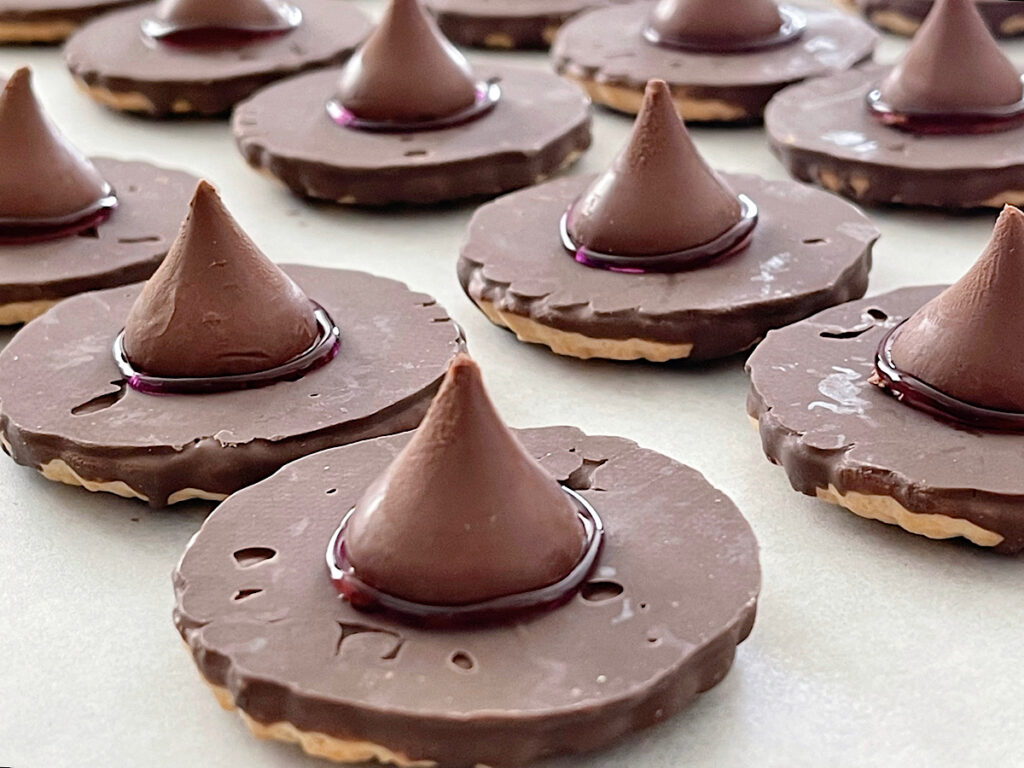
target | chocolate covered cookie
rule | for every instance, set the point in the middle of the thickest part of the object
(69, 223)
(907, 407)
(904, 17)
(194, 57)
(408, 121)
(944, 128)
(506, 24)
(405, 599)
(722, 59)
(218, 370)
(49, 21)
(660, 257)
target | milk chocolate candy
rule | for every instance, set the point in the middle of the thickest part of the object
(903, 17)
(49, 21)
(207, 70)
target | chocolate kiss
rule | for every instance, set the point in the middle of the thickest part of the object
(965, 341)
(953, 65)
(224, 14)
(406, 71)
(216, 306)
(659, 196)
(463, 514)
(715, 21)
(42, 176)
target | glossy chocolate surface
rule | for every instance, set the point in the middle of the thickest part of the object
(794, 266)
(822, 132)
(823, 421)
(723, 26)
(673, 594)
(506, 24)
(398, 345)
(540, 124)
(111, 54)
(126, 248)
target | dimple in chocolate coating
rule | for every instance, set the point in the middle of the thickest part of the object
(396, 345)
(110, 54)
(674, 593)
(823, 133)
(607, 47)
(126, 248)
(826, 425)
(1004, 17)
(794, 266)
(540, 125)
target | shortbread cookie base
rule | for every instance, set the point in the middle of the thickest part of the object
(624, 99)
(18, 312)
(58, 471)
(35, 31)
(583, 347)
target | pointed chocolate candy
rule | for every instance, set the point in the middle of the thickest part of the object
(953, 65)
(406, 72)
(966, 341)
(42, 177)
(242, 15)
(659, 195)
(715, 23)
(217, 306)
(463, 514)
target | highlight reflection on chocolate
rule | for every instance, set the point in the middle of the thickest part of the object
(203, 23)
(723, 26)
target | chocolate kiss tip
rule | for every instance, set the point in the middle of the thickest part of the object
(406, 71)
(42, 176)
(217, 306)
(659, 195)
(954, 64)
(464, 514)
(716, 21)
(964, 341)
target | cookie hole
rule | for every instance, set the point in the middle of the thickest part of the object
(815, 241)
(877, 314)
(416, 153)
(331, 491)
(654, 642)
(852, 333)
(251, 556)
(100, 402)
(643, 606)
(314, 394)
(242, 594)
(600, 591)
(583, 478)
(462, 660)
(131, 240)
(91, 232)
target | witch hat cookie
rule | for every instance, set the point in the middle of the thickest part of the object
(69, 223)
(199, 57)
(408, 121)
(907, 407)
(723, 59)
(939, 129)
(903, 17)
(661, 258)
(444, 550)
(50, 21)
(234, 365)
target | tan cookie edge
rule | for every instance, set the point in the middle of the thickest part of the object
(18, 312)
(130, 101)
(572, 344)
(35, 31)
(624, 99)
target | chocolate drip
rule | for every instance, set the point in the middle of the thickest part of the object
(723, 26)
(217, 306)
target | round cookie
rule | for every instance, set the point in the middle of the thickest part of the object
(903, 17)
(118, 66)
(606, 52)
(506, 24)
(271, 637)
(49, 21)
(847, 442)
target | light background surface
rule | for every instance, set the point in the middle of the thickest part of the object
(873, 647)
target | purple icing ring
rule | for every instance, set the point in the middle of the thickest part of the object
(289, 17)
(365, 597)
(729, 242)
(19, 231)
(321, 352)
(923, 396)
(968, 121)
(488, 93)
(791, 28)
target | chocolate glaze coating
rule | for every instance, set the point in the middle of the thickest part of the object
(73, 12)
(225, 14)
(395, 347)
(1004, 17)
(540, 124)
(674, 593)
(506, 23)
(794, 266)
(825, 424)
(713, 22)
(606, 46)
(822, 132)
(126, 248)
(112, 55)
